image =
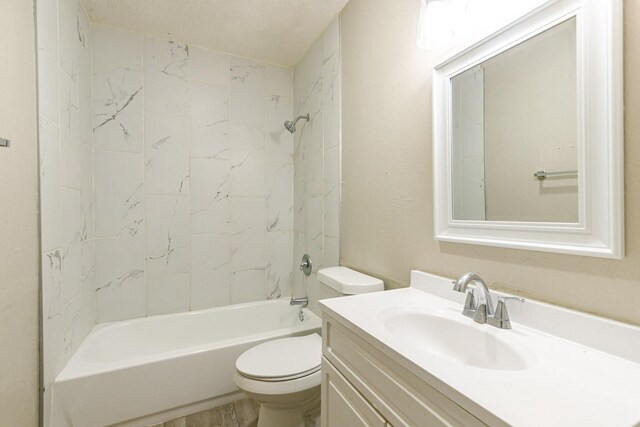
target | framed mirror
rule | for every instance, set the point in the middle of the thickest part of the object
(528, 134)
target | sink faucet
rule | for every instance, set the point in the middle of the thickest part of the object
(479, 305)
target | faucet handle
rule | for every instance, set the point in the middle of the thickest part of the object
(501, 316)
(480, 315)
(469, 305)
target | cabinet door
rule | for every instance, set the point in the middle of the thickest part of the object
(342, 405)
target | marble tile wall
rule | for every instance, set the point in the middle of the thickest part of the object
(66, 182)
(317, 160)
(167, 177)
(193, 177)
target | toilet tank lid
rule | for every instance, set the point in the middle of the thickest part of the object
(348, 281)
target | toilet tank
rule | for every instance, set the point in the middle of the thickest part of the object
(341, 281)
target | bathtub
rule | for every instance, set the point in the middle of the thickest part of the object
(125, 372)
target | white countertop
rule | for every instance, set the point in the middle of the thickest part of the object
(566, 384)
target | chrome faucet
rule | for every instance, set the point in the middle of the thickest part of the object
(303, 302)
(501, 318)
(300, 302)
(479, 305)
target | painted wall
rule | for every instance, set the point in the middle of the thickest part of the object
(193, 177)
(19, 256)
(66, 182)
(387, 212)
(317, 92)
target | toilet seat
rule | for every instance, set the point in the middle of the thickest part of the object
(285, 359)
(275, 388)
(278, 379)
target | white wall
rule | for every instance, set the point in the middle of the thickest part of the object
(317, 91)
(387, 186)
(66, 183)
(193, 176)
(19, 256)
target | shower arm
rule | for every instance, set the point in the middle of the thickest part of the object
(300, 117)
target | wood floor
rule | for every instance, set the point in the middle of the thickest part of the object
(243, 413)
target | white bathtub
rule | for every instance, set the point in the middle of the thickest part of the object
(129, 370)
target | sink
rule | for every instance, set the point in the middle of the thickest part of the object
(464, 341)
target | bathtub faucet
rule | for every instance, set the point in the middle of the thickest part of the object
(303, 302)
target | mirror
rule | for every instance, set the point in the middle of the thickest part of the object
(528, 134)
(513, 116)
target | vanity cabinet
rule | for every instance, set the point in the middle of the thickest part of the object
(343, 405)
(363, 386)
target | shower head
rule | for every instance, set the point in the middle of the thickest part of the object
(291, 125)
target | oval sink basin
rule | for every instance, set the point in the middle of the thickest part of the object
(469, 344)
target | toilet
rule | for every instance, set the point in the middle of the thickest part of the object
(284, 374)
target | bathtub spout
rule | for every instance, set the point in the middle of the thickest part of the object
(303, 302)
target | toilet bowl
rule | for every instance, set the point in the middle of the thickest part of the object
(284, 374)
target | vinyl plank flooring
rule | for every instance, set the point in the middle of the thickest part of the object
(229, 417)
(242, 413)
(206, 418)
(178, 422)
(247, 412)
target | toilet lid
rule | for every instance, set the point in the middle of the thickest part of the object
(285, 358)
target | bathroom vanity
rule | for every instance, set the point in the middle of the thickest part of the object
(409, 357)
(363, 385)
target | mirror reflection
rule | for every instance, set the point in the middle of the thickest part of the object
(515, 140)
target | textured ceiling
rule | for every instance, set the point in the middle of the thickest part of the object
(275, 31)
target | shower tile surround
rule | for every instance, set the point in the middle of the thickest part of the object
(317, 91)
(168, 179)
(193, 177)
(66, 182)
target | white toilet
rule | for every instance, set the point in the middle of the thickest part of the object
(284, 374)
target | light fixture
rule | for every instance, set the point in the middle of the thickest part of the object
(434, 30)
(444, 23)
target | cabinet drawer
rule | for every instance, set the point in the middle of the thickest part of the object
(342, 405)
(401, 397)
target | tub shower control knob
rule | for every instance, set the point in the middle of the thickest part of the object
(305, 265)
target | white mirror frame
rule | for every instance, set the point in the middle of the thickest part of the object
(600, 230)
